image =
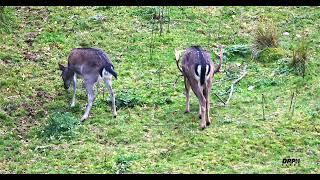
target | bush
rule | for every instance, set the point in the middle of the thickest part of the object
(61, 126)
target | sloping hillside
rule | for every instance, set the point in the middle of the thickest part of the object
(40, 132)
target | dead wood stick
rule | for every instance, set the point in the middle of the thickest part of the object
(220, 99)
(175, 82)
(263, 107)
(235, 82)
(292, 96)
(293, 104)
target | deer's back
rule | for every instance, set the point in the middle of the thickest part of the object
(191, 59)
(87, 60)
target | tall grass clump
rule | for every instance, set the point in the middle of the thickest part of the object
(300, 57)
(6, 19)
(266, 36)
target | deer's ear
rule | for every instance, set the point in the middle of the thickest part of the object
(61, 67)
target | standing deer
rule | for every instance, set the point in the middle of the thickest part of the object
(92, 65)
(198, 71)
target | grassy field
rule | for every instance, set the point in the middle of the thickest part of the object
(40, 133)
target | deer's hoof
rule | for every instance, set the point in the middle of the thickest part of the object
(202, 127)
(208, 123)
(199, 116)
(186, 111)
(114, 116)
(83, 118)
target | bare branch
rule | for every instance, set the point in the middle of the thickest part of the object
(244, 73)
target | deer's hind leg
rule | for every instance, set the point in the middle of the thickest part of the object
(202, 106)
(206, 93)
(187, 88)
(108, 82)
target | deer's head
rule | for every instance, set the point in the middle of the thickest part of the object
(66, 76)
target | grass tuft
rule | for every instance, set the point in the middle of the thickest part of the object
(300, 58)
(266, 36)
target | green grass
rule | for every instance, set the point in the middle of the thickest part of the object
(151, 133)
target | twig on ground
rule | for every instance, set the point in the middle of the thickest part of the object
(220, 99)
(263, 107)
(291, 101)
(293, 104)
(175, 82)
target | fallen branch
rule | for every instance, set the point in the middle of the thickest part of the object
(235, 82)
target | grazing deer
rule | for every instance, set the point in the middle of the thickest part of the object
(92, 65)
(198, 71)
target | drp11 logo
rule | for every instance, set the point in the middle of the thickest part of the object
(290, 161)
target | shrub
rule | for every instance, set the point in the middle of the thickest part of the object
(237, 50)
(271, 55)
(60, 126)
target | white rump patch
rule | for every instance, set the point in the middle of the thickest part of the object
(106, 74)
(199, 69)
(207, 71)
(199, 72)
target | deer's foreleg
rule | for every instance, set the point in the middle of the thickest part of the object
(74, 85)
(89, 87)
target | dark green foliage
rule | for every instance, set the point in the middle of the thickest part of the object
(6, 19)
(145, 13)
(127, 99)
(269, 55)
(51, 37)
(123, 164)
(283, 66)
(266, 82)
(60, 126)
(236, 51)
